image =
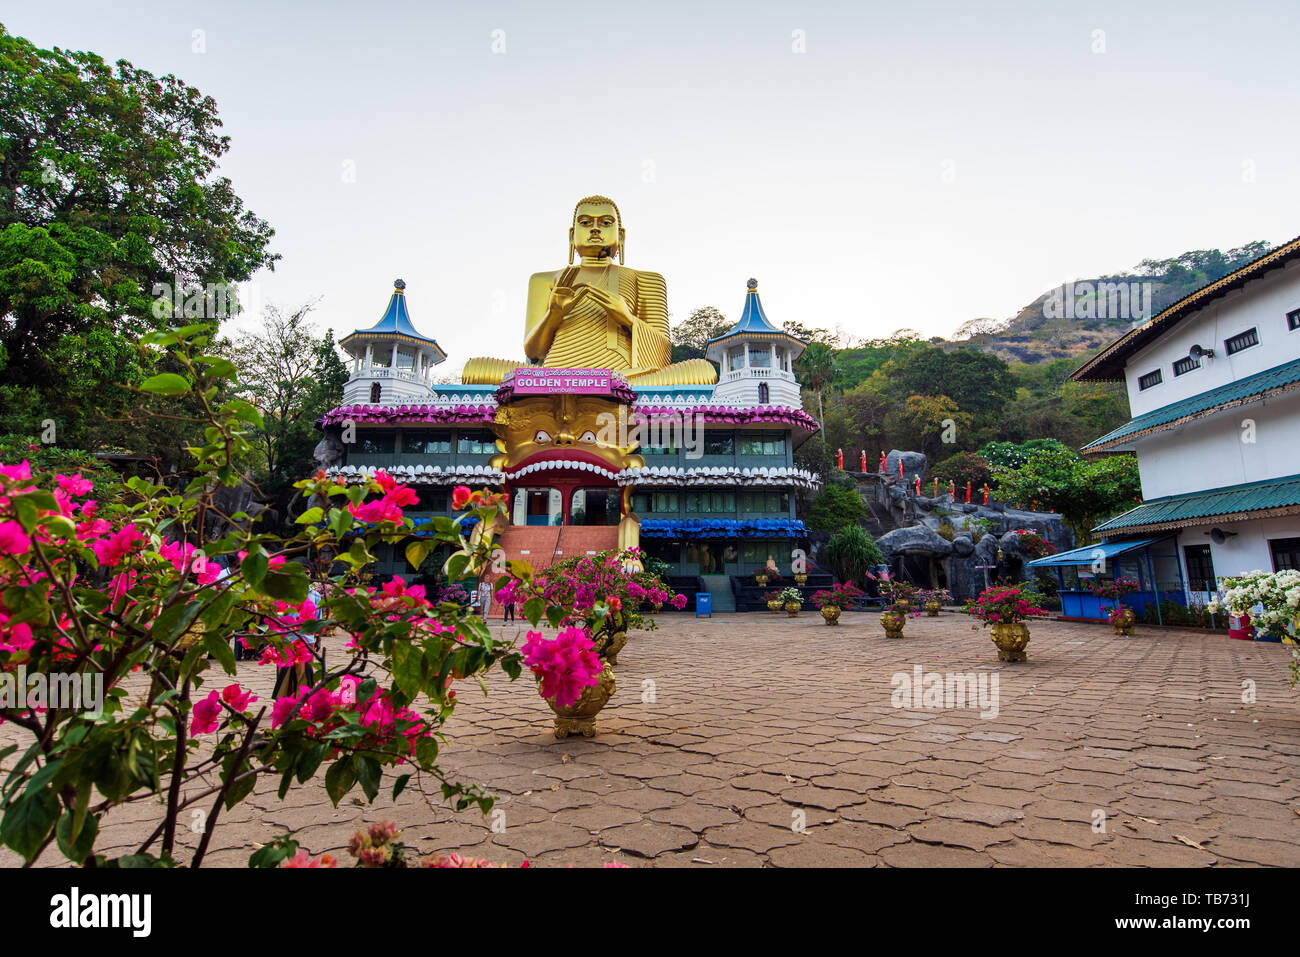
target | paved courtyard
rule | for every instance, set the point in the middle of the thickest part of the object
(756, 740)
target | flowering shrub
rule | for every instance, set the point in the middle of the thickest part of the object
(97, 592)
(941, 595)
(1114, 590)
(893, 590)
(1001, 605)
(601, 593)
(1033, 544)
(1271, 600)
(843, 595)
(767, 572)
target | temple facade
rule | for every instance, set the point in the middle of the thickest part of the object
(701, 476)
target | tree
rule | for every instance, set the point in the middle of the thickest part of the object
(928, 423)
(110, 215)
(691, 336)
(292, 376)
(817, 366)
(1085, 492)
(837, 507)
(980, 383)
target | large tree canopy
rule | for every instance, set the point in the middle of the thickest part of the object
(107, 190)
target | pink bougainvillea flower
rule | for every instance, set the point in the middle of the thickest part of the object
(237, 697)
(303, 859)
(206, 714)
(567, 665)
(615, 864)
(117, 546)
(13, 540)
(14, 637)
(460, 496)
(73, 484)
(377, 510)
(16, 473)
(285, 708)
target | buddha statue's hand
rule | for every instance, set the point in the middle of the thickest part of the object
(613, 304)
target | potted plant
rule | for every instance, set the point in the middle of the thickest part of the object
(897, 595)
(832, 602)
(801, 576)
(602, 593)
(1121, 618)
(934, 599)
(1007, 609)
(792, 599)
(774, 603)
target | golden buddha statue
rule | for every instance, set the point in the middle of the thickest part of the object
(598, 314)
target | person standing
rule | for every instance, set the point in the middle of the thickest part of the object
(484, 594)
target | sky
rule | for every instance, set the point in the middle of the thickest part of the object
(874, 165)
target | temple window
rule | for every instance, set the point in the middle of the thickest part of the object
(375, 392)
(763, 394)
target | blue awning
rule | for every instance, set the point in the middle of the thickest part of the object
(1090, 553)
(694, 528)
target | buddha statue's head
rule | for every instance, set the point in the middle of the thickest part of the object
(597, 230)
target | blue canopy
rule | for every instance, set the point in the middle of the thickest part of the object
(1089, 553)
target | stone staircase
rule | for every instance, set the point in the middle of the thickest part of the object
(719, 586)
(540, 545)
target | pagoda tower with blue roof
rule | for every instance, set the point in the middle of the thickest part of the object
(392, 363)
(755, 360)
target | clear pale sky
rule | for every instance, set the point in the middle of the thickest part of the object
(919, 165)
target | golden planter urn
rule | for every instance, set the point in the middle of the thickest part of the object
(617, 641)
(903, 605)
(1011, 640)
(580, 718)
(761, 579)
(1123, 624)
(792, 608)
(801, 578)
(932, 609)
(774, 606)
(893, 620)
(832, 614)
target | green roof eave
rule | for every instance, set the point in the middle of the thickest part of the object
(1264, 499)
(1261, 385)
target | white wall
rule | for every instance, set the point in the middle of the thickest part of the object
(1214, 452)
(1247, 551)
(1262, 303)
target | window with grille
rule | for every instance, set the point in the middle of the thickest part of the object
(1293, 319)
(1242, 341)
(1186, 364)
(1150, 379)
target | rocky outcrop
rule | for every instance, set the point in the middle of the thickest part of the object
(914, 464)
(914, 540)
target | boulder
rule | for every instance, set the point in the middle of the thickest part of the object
(329, 450)
(914, 540)
(963, 544)
(914, 463)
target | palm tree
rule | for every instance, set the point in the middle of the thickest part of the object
(819, 365)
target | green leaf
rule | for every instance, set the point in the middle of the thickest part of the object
(285, 586)
(218, 646)
(272, 854)
(217, 366)
(400, 785)
(417, 552)
(408, 668)
(456, 566)
(426, 751)
(254, 567)
(75, 844)
(533, 609)
(27, 822)
(310, 762)
(340, 778)
(369, 774)
(310, 517)
(165, 383)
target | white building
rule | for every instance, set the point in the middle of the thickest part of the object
(392, 362)
(1214, 387)
(755, 360)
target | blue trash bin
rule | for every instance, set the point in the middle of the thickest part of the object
(703, 605)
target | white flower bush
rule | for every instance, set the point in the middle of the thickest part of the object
(1271, 599)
